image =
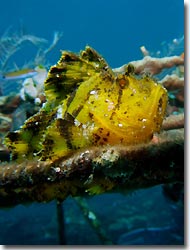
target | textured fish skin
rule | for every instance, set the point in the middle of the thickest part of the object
(89, 105)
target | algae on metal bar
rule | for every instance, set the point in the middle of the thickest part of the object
(94, 171)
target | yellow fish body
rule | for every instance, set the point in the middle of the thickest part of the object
(88, 104)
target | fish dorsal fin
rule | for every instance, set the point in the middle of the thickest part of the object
(71, 70)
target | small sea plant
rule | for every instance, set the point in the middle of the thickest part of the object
(11, 75)
(12, 41)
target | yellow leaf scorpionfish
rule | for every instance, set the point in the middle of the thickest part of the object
(89, 105)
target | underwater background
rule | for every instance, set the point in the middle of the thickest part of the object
(116, 29)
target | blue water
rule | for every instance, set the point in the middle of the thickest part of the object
(116, 29)
(145, 217)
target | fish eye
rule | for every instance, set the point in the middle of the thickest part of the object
(122, 81)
